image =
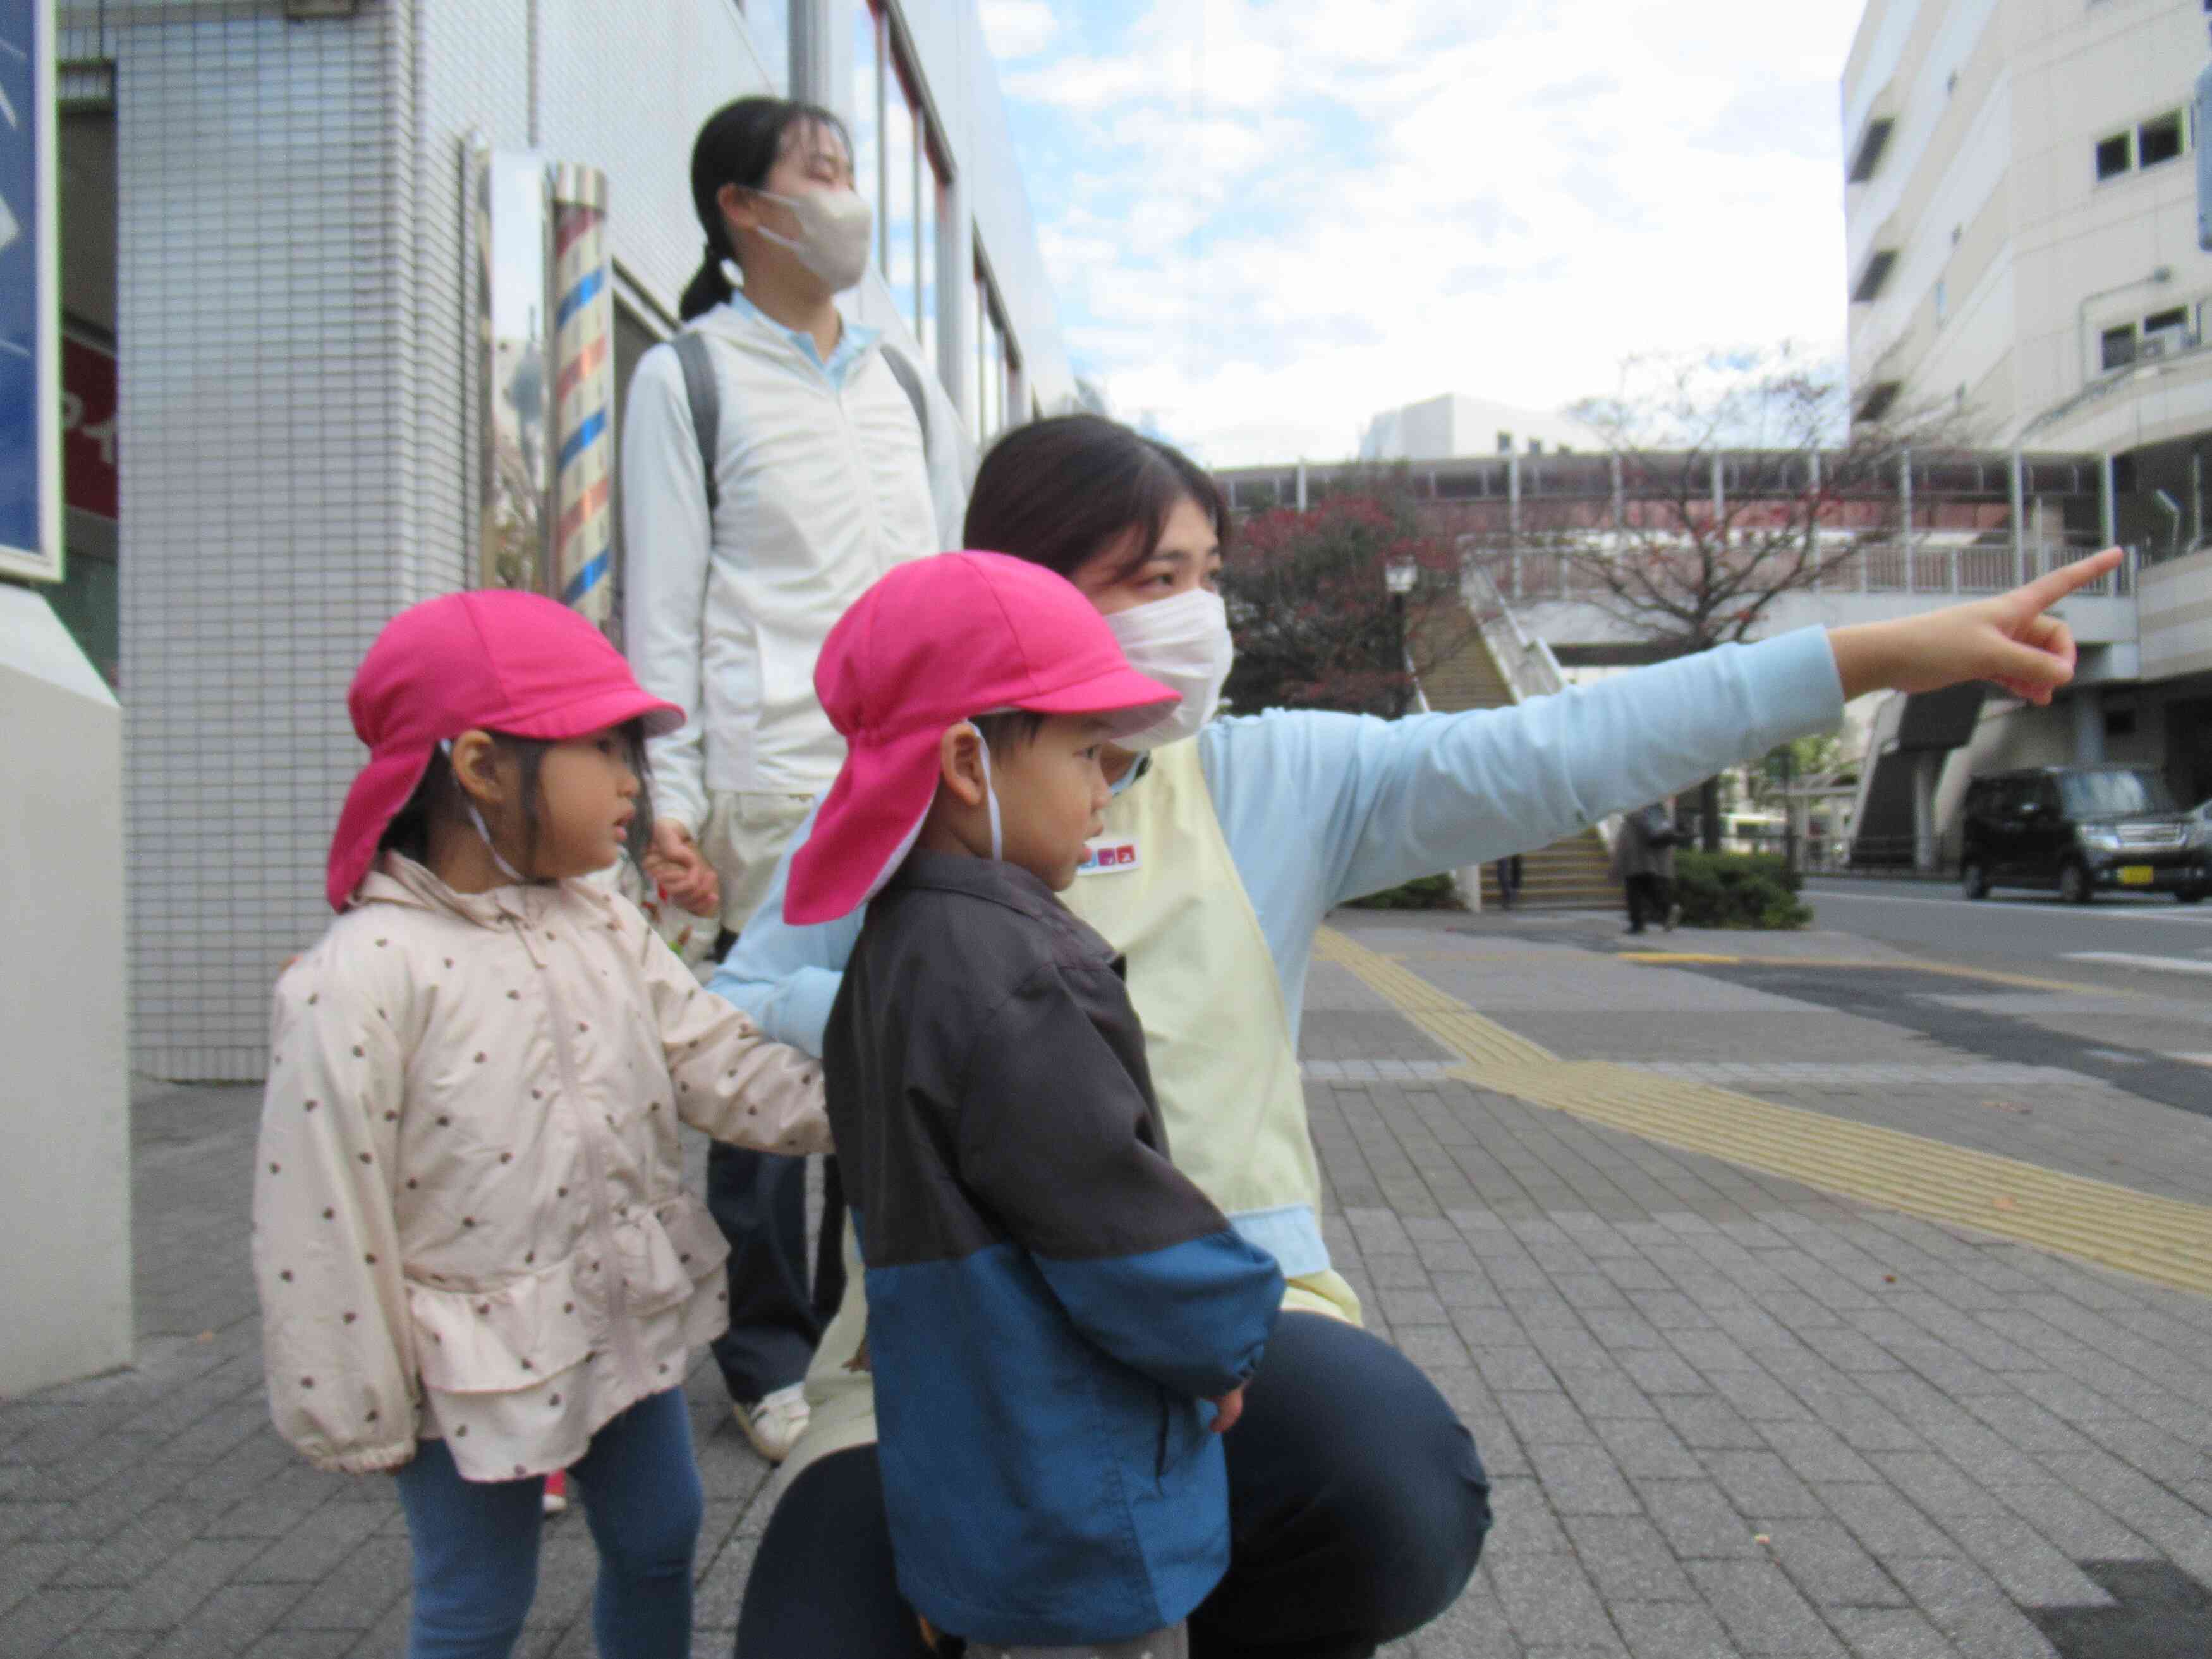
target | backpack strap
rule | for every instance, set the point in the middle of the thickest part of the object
(910, 379)
(705, 396)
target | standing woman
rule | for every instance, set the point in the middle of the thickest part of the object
(776, 460)
(1357, 1504)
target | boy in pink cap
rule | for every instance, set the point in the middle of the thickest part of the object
(1059, 1322)
(476, 1260)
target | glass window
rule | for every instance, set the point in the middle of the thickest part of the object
(2096, 794)
(979, 359)
(2112, 155)
(929, 207)
(2119, 346)
(898, 237)
(867, 110)
(2157, 141)
(768, 22)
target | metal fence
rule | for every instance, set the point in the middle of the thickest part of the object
(1527, 573)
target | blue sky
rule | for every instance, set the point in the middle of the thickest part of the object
(1268, 220)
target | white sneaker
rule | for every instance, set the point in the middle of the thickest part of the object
(775, 1421)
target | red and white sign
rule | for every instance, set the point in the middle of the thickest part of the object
(90, 482)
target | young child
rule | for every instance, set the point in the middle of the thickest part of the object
(1056, 1316)
(476, 1260)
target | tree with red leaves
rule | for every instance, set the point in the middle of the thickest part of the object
(1311, 603)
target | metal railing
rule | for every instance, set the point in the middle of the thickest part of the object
(1535, 574)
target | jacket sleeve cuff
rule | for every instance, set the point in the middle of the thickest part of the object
(377, 1460)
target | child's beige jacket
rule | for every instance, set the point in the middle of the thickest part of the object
(469, 1214)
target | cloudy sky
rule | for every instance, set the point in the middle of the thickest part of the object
(1268, 220)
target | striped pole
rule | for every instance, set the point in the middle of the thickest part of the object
(584, 382)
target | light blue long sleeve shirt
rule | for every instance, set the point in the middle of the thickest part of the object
(1320, 808)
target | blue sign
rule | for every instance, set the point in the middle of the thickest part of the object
(30, 390)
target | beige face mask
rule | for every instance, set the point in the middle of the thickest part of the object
(835, 230)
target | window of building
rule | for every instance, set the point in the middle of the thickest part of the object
(997, 363)
(868, 112)
(2157, 141)
(769, 22)
(2117, 346)
(1878, 399)
(2114, 155)
(897, 167)
(2175, 321)
(1875, 140)
(1875, 274)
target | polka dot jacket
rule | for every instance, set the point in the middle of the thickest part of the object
(469, 1219)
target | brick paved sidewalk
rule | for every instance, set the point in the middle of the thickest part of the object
(1726, 1414)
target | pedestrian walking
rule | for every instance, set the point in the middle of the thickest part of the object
(1357, 1502)
(987, 1082)
(477, 1262)
(1644, 864)
(776, 460)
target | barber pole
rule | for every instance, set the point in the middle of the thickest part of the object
(583, 349)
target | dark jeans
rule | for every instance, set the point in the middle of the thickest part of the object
(1357, 1507)
(759, 1202)
(476, 1543)
(1649, 897)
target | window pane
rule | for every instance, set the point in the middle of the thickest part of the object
(976, 360)
(898, 195)
(996, 382)
(2119, 346)
(927, 208)
(2112, 156)
(867, 137)
(770, 24)
(2157, 141)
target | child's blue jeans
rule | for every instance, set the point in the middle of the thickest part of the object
(476, 1543)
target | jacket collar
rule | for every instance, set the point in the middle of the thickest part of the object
(991, 880)
(397, 880)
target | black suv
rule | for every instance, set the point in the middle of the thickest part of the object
(2079, 828)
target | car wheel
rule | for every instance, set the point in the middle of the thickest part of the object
(1974, 881)
(2074, 884)
(2189, 895)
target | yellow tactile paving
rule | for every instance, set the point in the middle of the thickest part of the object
(2162, 1239)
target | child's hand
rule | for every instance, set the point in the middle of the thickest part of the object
(684, 874)
(1228, 1409)
(2007, 639)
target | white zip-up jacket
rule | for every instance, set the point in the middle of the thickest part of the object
(469, 1213)
(824, 487)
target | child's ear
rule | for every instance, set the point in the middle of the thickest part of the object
(475, 768)
(960, 764)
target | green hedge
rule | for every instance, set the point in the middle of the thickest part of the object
(1422, 893)
(1738, 890)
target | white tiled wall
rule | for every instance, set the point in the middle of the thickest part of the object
(298, 444)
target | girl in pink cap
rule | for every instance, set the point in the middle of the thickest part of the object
(1356, 1501)
(477, 1262)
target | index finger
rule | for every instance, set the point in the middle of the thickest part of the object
(2046, 591)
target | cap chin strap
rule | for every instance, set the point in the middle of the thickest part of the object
(491, 846)
(990, 796)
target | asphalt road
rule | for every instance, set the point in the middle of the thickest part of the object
(2150, 942)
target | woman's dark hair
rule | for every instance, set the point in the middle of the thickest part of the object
(740, 145)
(439, 795)
(1057, 491)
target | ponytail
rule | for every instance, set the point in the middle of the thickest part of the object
(709, 286)
(739, 145)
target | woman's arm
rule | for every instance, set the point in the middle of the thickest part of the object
(670, 539)
(1384, 801)
(787, 977)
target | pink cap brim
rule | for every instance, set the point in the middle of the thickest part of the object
(383, 787)
(867, 822)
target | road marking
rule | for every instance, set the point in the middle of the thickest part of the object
(2164, 1240)
(2132, 959)
(1949, 971)
(2013, 906)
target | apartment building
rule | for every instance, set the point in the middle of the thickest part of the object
(2020, 206)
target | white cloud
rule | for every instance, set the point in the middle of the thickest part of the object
(1293, 216)
(1019, 29)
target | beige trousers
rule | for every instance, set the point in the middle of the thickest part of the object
(744, 837)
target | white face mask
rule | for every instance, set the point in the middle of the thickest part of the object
(835, 230)
(1184, 644)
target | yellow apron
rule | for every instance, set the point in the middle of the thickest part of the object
(1162, 888)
